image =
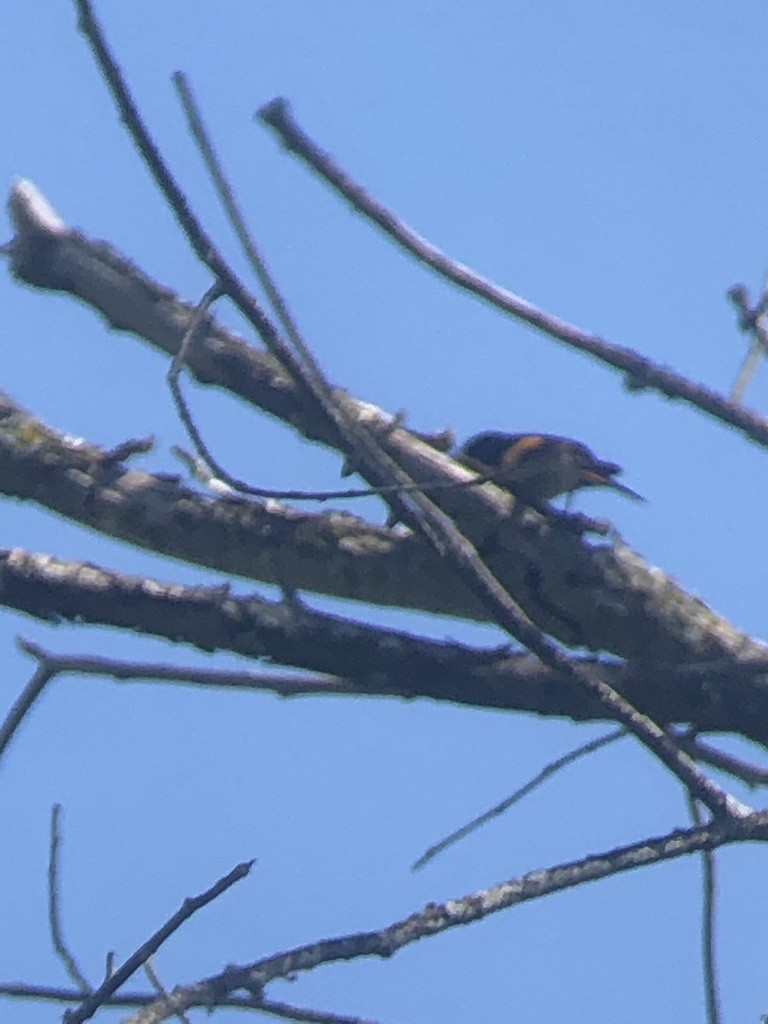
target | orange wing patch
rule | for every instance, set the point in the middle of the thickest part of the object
(521, 448)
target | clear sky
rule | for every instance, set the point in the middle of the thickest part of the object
(606, 161)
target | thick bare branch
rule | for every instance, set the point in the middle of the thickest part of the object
(375, 661)
(332, 553)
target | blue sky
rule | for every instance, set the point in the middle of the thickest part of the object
(605, 161)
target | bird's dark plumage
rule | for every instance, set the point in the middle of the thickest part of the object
(539, 467)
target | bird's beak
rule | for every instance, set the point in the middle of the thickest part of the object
(605, 481)
(624, 490)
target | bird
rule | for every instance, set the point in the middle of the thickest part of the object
(539, 467)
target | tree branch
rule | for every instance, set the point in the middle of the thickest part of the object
(191, 905)
(439, 917)
(640, 373)
(371, 660)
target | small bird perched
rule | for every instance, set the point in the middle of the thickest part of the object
(539, 467)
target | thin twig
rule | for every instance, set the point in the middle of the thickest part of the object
(753, 322)
(177, 364)
(190, 905)
(752, 775)
(640, 372)
(226, 194)
(285, 1011)
(313, 683)
(132, 1000)
(54, 994)
(210, 472)
(237, 220)
(746, 371)
(21, 706)
(160, 989)
(54, 909)
(708, 908)
(283, 684)
(547, 772)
